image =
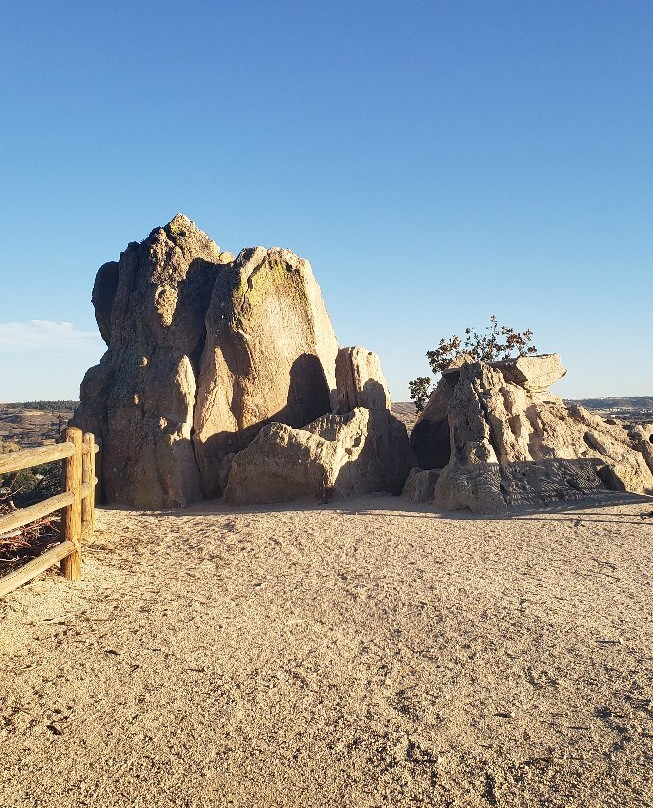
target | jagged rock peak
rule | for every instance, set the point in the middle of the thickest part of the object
(140, 399)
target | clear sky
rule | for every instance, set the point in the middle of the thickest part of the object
(436, 162)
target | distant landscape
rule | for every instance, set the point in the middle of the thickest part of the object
(36, 423)
(637, 409)
(32, 423)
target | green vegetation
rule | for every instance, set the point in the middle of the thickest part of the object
(495, 343)
(27, 486)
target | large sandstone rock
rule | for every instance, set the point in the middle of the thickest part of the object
(361, 449)
(510, 445)
(139, 400)
(332, 457)
(203, 350)
(269, 355)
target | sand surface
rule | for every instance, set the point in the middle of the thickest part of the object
(355, 654)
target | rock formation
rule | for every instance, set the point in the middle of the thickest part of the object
(139, 400)
(203, 352)
(269, 355)
(420, 485)
(360, 381)
(501, 439)
(361, 449)
(330, 457)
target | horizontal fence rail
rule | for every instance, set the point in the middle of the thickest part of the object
(76, 503)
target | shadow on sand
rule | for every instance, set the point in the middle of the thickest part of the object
(376, 505)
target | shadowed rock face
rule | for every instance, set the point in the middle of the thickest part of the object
(513, 443)
(270, 355)
(360, 449)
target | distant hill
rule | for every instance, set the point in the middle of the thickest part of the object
(33, 423)
(63, 405)
(610, 403)
(615, 403)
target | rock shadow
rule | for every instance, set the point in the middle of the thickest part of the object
(307, 400)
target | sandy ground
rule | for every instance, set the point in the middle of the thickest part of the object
(354, 654)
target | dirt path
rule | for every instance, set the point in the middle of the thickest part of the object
(346, 655)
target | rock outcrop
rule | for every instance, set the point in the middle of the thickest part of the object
(512, 443)
(361, 450)
(360, 381)
(328, 458)
(420, 485)
(139, 400)
(203, 351)
(534, 373)
(269, 355)
(642, 437)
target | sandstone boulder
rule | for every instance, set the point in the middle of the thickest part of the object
(203, 350)
(420, 485)
(269, 355)
(534, 373)
(360, 381)
(332, 457)
(139, 400)
(510, 445)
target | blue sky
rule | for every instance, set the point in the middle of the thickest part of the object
(436, 162)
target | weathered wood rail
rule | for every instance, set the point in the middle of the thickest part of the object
(76, 503)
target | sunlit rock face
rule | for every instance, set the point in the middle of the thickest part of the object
(269, 355)
(140, 399)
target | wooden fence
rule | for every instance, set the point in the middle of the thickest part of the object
(76, 503)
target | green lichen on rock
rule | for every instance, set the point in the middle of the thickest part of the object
(179, 226)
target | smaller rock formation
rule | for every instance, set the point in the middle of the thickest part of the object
(360, 381)
(359, 451)
(501, 439)
(420, 485)
(641, 436)
(328, 458)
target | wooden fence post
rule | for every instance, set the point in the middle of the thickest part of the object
(71, 518)
(88, 476)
